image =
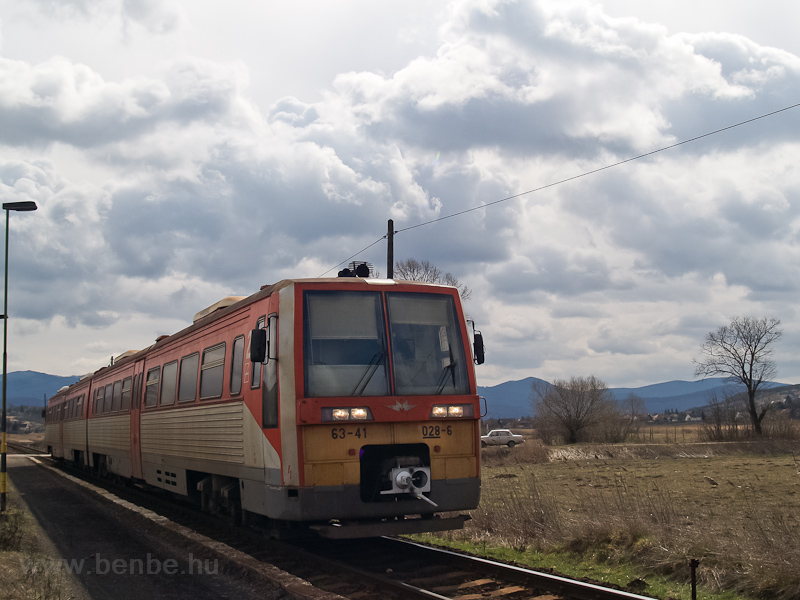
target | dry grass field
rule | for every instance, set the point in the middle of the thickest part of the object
(733, 506)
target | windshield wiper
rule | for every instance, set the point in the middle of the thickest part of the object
(443, 376)
(367, 376)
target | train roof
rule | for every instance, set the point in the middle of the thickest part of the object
(231, 304)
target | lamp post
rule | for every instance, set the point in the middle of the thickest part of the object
(8, 207)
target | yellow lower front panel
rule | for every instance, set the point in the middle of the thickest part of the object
(332, 452)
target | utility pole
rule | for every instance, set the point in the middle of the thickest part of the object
(390, 251)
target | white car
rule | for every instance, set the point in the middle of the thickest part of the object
(501, 437)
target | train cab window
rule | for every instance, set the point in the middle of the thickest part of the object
(107, 403)
(255, 375)
(427, 350)
(116, 397)
(187, 389)
(344, 344)
(269, 387)
(151, 391)
(126, 394)
(237, 365)
(169, 382)
(212, 372)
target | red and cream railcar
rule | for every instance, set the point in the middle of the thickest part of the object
(65, 422)
(349, 404)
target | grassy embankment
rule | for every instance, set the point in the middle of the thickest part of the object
(26, 572)
(639, 512)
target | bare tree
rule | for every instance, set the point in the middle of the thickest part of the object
(721, 417)
(741, 352)
(413, 270)
(632, 413)
(575, 405)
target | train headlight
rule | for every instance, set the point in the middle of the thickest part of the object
(340, 414)
(439, 412)
(360, 413)
(455, 411)
(451, 411)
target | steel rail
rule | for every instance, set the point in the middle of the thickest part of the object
(572, 588)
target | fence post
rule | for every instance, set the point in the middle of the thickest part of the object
(693, 564)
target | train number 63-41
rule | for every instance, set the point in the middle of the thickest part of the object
(340, 433)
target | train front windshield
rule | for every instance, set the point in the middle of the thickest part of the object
(358, 345)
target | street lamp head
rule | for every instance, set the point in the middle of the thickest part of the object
(21, 206)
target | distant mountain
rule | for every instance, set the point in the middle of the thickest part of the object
(512, 399)
(683, 395)
(509, 400)
(30, 387)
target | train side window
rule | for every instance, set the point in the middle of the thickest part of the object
(98, 401)
(187, 389)
(80, 405)
(117, 396)
(212, 372)
(151, 393)
(237, 364)
(136, 396)
(107, 403)
(169, 381)
(255, 375)
(126, 394)
(72, 410)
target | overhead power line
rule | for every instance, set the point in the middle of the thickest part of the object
(383, 237)
(574, 177)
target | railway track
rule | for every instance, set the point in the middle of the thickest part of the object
(418, 571)
(372, 568)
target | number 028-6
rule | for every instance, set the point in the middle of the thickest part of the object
(436, 431)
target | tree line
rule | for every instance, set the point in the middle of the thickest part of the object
(583, 408)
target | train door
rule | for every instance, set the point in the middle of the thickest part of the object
(62, 414)
(136, 407)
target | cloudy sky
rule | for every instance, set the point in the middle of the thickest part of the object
(180, 152)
